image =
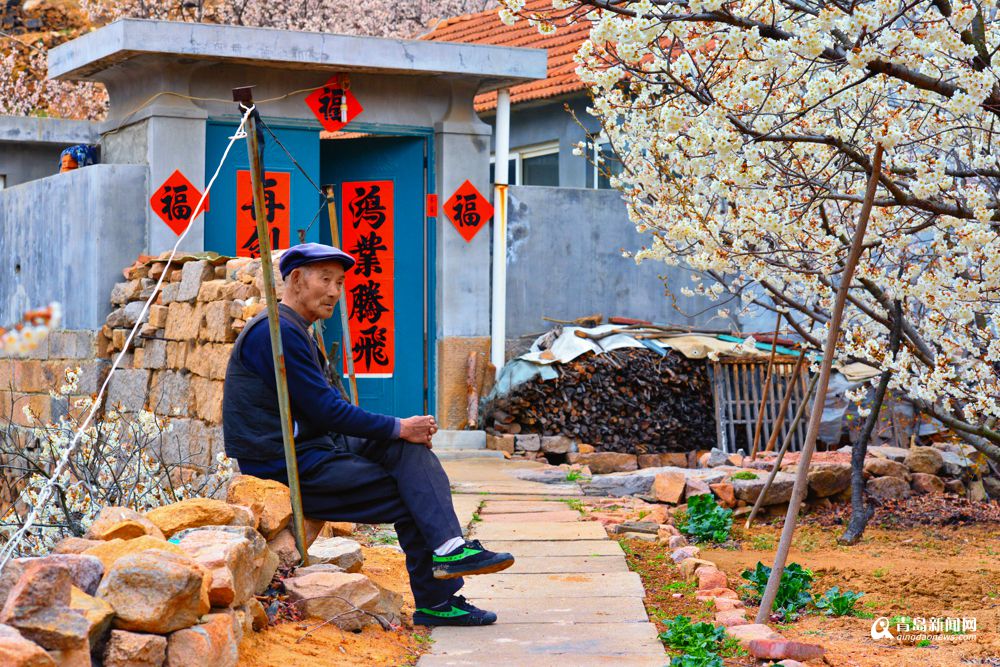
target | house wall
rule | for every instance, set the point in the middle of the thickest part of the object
(30, 147)
(53, 249)
(567, 265)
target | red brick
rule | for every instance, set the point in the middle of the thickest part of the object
(780, 649)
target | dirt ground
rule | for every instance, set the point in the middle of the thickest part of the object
(287, 645)
(919, 572)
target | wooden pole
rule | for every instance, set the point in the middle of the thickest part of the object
(331, 208)
(245, 97)
(785, 400)
(781, 452)
(816, 416)
(765, 389)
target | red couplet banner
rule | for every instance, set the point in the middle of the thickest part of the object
(368, 222)
(277, 202)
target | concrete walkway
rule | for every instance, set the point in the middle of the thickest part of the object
(570, 598)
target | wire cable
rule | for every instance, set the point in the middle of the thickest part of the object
(46, 493)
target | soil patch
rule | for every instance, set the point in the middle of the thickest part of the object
(930, 572)
(283, 644)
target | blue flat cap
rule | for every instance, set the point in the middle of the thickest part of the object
(308, 253)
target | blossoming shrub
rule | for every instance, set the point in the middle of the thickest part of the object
(117, 461)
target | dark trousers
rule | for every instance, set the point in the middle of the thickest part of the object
(387, 481)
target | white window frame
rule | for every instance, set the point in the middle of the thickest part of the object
(595, 153)
(518, 155)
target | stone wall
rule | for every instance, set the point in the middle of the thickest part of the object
(176, 365)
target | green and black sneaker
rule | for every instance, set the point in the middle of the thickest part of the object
(470, 558)
(456, 611)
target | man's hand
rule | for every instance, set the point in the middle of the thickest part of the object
(419, 429)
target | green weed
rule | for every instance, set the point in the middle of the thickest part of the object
(837, 603)
(706, 520)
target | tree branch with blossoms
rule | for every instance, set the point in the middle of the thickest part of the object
(744, 130)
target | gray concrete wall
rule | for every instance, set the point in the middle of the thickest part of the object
(67, 237)
(30, 147)
(565, 261)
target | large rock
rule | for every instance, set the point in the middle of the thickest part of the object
(897, 454)
(16, 651)
(284, 546)
(668, 487)
(232, 560)
(332, 595)
(641, 481)
(85, 571)
(558, 444)
(955, 465)
(74, 545)
(156, 591)
(925, 483)
(670, 459)
(213, 642)
(924, 459)
(339, 551)
(696, 487)
(725, 493)
(828, 479)
(265, 573)
(191, 513)
(270, 501)
(888, 488)
(886, 468)
(122, 523)
(752, 632)
(605, 462)
(110, 551)
(131, 649)
(780, 492)
(38, 607)
(97, 612)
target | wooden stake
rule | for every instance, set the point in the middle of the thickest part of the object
(765, 389)
(245, 97)
(785, 400)
(829, 350)
(331, 209)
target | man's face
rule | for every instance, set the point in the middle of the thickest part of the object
(317, 288)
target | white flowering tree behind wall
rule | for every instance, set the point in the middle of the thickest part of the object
(746, 131)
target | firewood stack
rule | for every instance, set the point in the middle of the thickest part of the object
(627, 400)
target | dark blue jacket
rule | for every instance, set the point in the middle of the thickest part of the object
(250, 419)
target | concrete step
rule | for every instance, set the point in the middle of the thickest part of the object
(451, 439)
(566, 585)
(541, 531)
(569, 548)
(563, 564)
(566, 611)
(458, 454)
(521, 642)
(545, 661)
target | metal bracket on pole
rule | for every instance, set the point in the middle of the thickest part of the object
(244, 96)
(331, 208)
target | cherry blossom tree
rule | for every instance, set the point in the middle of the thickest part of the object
(745, 130)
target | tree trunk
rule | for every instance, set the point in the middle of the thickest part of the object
(861, 509)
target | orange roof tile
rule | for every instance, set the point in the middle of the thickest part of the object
(486, 28)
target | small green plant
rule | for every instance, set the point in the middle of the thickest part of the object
(879, 572)
(422, 639)
(762, 543)
(699, 642)
(573, 475)
(793, 589)
(923, 643)
(476, 518)
(626, 547)
(574, 504)
(837, 603)
(745, 474)
(731, 648)
(680, 586)
(706, 521)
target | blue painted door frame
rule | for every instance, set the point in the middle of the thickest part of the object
(401, 154)
(401, 159)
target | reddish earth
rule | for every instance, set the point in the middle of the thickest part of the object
(288, 645)
(918, 572)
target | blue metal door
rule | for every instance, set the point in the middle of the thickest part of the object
(401, 160)
(305, 201)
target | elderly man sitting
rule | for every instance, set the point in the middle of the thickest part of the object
(354, 465)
